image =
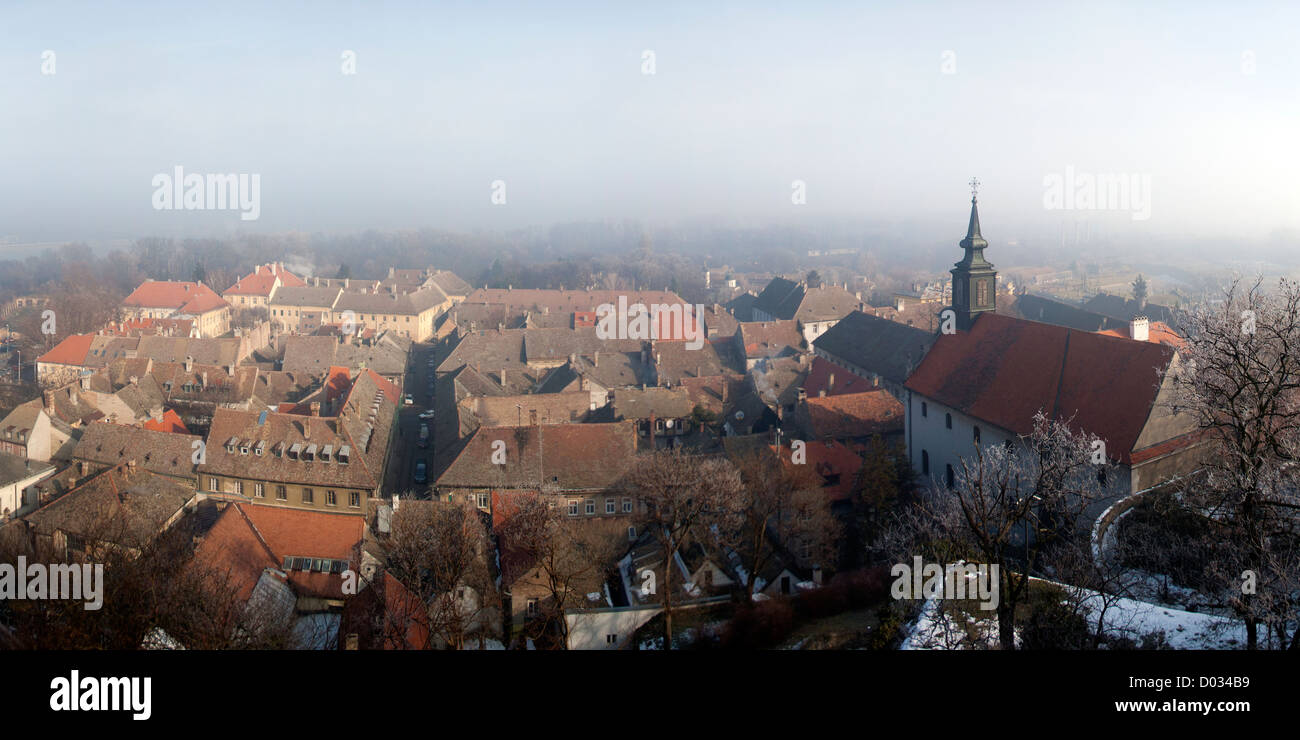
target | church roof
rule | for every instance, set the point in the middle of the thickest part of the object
(1004, 370)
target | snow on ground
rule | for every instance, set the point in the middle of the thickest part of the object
(1183, 630)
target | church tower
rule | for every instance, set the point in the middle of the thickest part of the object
(974, 281)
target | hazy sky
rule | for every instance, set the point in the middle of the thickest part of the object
(861, 101)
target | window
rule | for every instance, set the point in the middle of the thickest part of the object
(591, 506)
(258, 490)
(609, 506)
(354, 500)
(925, 462)
(947, 420)
(977, 435)
(627, 506)
(331, 498)
(573, 507)
(948, 476)
(924, 409)
(532, 607)
(611, 639)
(239, 487)
(214, 485)
(307, 495)
(631, 534)
(281, 493)
(483, 500)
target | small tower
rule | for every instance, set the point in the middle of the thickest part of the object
(974, 281)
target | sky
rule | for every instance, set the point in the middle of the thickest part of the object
(883, 111)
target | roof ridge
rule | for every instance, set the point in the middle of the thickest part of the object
(256, 533)
(1060, 378)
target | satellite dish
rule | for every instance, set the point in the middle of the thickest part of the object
(740, 415)
(669, 423)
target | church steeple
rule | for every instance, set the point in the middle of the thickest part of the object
(974, 281)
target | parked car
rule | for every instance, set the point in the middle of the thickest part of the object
(421, 472)
(408, 401)
(426, 414)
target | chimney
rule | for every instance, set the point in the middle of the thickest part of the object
(503, 377)
(230, 369)
(85, 382)
(1139, 329)
(135, 380)
(189, 363)
(397, 500)
(595, 358)
(205, 379)
(830, 382)
(724, 389)
(48, 397)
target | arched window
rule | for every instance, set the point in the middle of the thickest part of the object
(947, 420)
(924, 409)
(925, 462)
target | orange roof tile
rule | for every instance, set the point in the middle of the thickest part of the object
(71, 351)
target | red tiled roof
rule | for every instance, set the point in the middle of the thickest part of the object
(819, 379)
(831, 459)
(1004, 370)
(261, 280)
(1157, 331)
(170, 422)
(71, 351)
(247, 539)
(186, 297)
(855, 414)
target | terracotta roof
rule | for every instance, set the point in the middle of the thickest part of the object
(837, 463)
(182, 297)
(262, 279)
(855, 414)
(246, 539)
(170, 422)
(1004, 370)
(71, 351)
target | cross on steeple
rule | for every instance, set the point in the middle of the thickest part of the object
(974, 187)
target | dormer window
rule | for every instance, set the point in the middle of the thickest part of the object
(231, 444)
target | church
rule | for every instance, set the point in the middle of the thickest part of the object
(983, 383)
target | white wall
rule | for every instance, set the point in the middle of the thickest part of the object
(588, 630)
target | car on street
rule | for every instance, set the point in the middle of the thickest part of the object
(426, 414)
(421, 472)
(408, 401)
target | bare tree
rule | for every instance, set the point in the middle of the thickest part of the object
(564, 555)
(1010, 505)
(782, 505)
(683, 496)
(1241, 380)
(438, 551)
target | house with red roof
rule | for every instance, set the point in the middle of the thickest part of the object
(170, 299)
(254, 290)
(307, 551)
(63, 363)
